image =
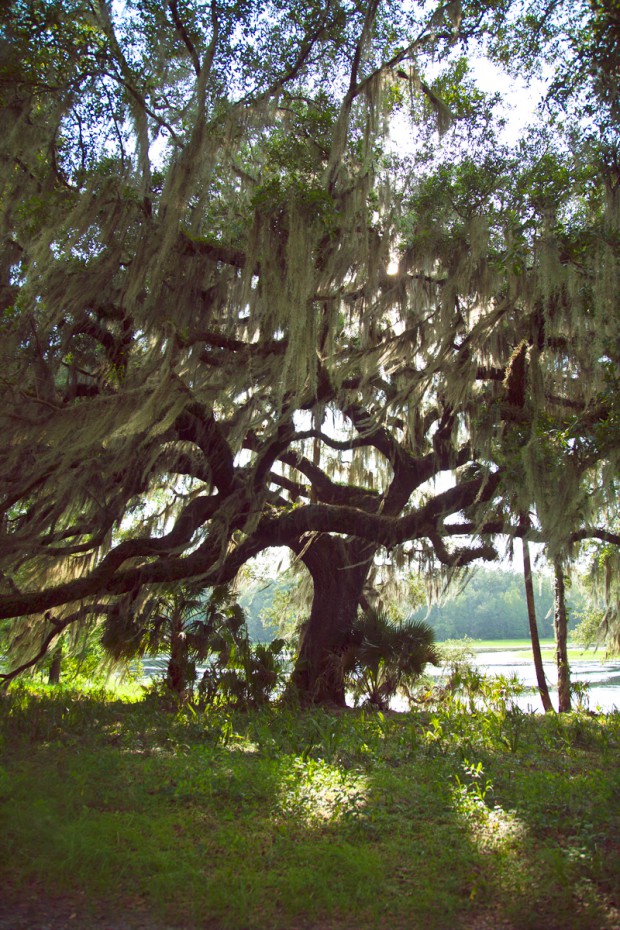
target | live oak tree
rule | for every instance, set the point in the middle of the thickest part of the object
(207, 349)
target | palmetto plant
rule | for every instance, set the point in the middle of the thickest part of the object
(252, 674)
(180, 621)
(195, 629)
(387, 656)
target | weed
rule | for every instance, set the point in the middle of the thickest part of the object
(472, 790)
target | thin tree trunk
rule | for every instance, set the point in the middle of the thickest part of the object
(177, 663)
(560, 625)
(531, 616)
(55, 666)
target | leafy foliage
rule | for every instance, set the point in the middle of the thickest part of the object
(207, 643)
(387, 656)
(492, 606)
(252, 675)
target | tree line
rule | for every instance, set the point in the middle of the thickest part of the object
(491, 605)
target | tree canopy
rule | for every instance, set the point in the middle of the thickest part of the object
(237, 313)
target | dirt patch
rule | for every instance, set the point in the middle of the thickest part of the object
(487, 920)
(35, 910)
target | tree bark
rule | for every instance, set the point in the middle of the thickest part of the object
(531, 616)
(178, 662)
(339, 569)
(55, 666)
(560, 625)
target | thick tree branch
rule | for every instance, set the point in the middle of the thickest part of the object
(227, 255)
(198, 425)
(503, 528)
(463, 556)
(328, 491)
(214, 567)
(183, 34)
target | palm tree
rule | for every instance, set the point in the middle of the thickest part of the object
(178, 620)
(193, 630)
(387, 656)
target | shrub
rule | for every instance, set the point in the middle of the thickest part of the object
(387, 657)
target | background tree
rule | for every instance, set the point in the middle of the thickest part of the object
(541, 680)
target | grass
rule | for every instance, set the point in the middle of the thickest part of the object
(273, 819)
(522, 648)
(497, 645)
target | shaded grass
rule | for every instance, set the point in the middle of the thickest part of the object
(279, 818)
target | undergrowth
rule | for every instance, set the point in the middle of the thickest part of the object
(280, 817)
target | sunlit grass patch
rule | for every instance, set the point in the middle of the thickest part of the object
(315, 791)
(490, 826)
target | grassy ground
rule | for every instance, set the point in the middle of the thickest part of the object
(522, 648)
(489, 645)
(280, 819)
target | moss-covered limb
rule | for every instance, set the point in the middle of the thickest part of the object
(463, 555)
(215, 567)
(294, 489)
(328, 491)
(216, 251)
(198, 425)
(506, 528)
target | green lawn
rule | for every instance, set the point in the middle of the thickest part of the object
(523, 648)
(488, 645)
(280, 819)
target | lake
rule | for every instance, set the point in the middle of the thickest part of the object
(602, 676)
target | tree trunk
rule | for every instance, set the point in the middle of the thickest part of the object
(531, 616)
(338, 575)
(177, 663)
(560, 625)
(55, 666)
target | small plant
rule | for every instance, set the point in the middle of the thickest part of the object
(252, 674)
(472, 791)
(580, 691)
(241, 673)
(387, 657)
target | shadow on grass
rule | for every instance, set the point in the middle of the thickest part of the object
(279, 819)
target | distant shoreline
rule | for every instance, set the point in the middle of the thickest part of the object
(524, 645)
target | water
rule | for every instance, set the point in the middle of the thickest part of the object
(603, 677)
(153, 668)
